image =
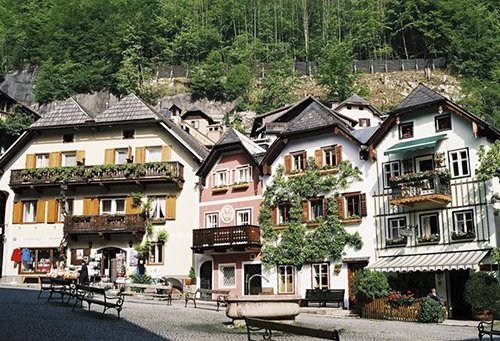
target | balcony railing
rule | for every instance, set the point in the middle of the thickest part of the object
(79, 175)
(105, 224)
(431, 186)
(244, 235)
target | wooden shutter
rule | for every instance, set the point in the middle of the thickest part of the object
(109, 157)
(171, 202)
(80, 157)
(304, 155)
(52, 211)
(17, 212)
(166, 152)
(340, 207)
(318, 155)
(362, 205)
(55, 159)
(274, 215)
(305, 211)
(140, 155)
(90, 206)
(325, 207)
(288, 163)
(129, 208)
(40, 211)
(30, 161)
(338, 154)
(130, 156)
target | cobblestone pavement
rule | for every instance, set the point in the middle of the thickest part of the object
(24, 317)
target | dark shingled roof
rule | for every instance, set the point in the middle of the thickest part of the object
(129, 108)
(421, 95)
(66, 113)
(233, 136)
(355, 99)
(314, 116)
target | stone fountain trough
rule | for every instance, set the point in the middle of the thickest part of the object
(268, 307)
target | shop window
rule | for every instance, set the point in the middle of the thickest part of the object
(317, 209)
(286, 279)
(38, 260)
(429, 225)
(243, 217)
(395, 225)
(68, 138)
(391, 169)
(113, 206)
(128, 133)
(157, 207)
(29, 211)
(121, 156)
(153, 154)
(406, 130)
(211, 220)
(459, 163)
(443, 122)
(321, 275)
(42, 160)
(283, 213)
(227, 276)
(156, 254)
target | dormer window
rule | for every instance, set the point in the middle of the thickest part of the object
(68, 138)
(364, 122)
(406, 130)
(221, 178)
(128, 133)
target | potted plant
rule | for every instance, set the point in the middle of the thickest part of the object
(191, 277)
(482, 292)
(337, 268)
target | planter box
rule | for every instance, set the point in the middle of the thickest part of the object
(329, 171)
(351, 221)
(220, 189)
(240, 186)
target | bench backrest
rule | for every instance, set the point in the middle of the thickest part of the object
(297, 330)
(216, 291)
(58, 281)
(95, 290)
(331, 294)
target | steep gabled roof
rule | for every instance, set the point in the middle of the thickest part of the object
(23, 107)
(231, 141)
(198, 112)
(420, 96)
(358, 100)
(65, 113)
(259, 121)
(129, 108)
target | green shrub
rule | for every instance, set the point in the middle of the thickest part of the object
(482, 291)
(430, 311)
(369, 284)
(140, 279)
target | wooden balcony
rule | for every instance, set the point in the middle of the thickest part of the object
(220, 239)
(427, 187)
(105, 225)
(172, 172)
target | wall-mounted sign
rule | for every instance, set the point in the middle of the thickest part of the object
(227, 214)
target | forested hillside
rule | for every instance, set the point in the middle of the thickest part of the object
(90, 45)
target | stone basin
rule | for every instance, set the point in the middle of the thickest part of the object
(269, 307)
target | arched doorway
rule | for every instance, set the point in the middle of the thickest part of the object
(3, 202)
(112, 259)
(206, 275)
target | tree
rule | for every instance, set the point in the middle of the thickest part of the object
(207, 79)
(294, 245)
(335, 71)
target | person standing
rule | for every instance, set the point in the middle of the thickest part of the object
(84, 274)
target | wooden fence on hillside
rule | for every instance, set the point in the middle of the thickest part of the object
(380, 309)
(308, 68)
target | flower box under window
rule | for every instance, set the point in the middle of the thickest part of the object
(351, 220)
(241, 185)
(396, 241)
(329, 170)
(220, 189)
(430, 239)
(470, 235)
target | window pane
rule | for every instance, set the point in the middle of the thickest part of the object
(120, 205)
(106, 206)
(121, 156)
(69, 159)
(153, 155)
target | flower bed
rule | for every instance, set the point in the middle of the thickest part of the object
(397, 299)
(443, 174)
(380, 308)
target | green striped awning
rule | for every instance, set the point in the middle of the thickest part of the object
(426, 142)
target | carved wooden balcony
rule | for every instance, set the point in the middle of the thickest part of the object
(104, 225)
(237, 238)
(425, 187)
(172, 172)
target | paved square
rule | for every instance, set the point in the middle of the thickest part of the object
(24, 317)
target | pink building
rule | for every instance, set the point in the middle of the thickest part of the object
(227, 244)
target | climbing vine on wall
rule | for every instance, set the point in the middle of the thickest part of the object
(295, 244)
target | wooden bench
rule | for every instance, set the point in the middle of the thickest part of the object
(322, 296)
(254, 324)
(107, 298)
(207, 295)
(488, 328)
(61, 287)
(151, 290)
